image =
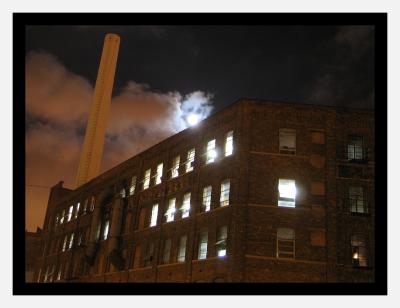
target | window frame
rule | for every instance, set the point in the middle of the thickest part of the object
(285, 201)
(286, 133)
(225, 192)
(211, 153)
(285, 242)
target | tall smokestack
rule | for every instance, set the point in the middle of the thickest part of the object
(92, 152)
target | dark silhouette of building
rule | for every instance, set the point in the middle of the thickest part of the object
(258, 192)
(33, 241)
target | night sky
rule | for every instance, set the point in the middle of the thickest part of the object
(163, 71)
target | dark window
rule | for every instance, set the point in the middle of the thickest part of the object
(357, 200)
(355, 148)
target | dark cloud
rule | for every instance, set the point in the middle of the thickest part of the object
(346, 78)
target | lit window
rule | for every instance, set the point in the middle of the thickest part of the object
(221, 241)
(229, 144)
(65, 243)
(355, 148)
(146, 180)
(122, 192)
(206, 202)
(148, 260)
(71, 241)
(359, 250)
(105, 230)
(182, 249)
(85, 205)
(159, 173)
(186, 205)
(70, 210)
(59, 272)
(287, 141)
(80, 238)
(285, 243)
(175, 167)
(77, 210)
(98, 231)
(287, 193)
(167, 251)
(225, 188)
(211, 152)
(39, 274)
(62, 217)
(154, 214)
(203, 238)
(170, 213)
(133, 186)
(190, 160)
(357, 201)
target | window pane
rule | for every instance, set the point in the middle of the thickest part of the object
(225, 189)
(202, 253)
(146, 180)
(221, 241)
(287, 193)
(182, 249)
(229, 144)
(285, 244)
(190, 160)
(206, 198)
(211, 153)
(133, 186)
(170, 213)
(287, 141)
(154, 214)
(186, 205)
(159, 173)
(175, 167)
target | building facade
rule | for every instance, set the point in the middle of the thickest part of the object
(258, 192)
(33, 241)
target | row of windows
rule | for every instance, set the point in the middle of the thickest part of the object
(285, 249)
(171, 211)
(66, 215)
(210, 157)
(73, 211)
(181, 252)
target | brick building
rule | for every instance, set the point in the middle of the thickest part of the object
(258, 192)
(33, 242)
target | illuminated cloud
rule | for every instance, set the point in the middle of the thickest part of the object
(58, 103)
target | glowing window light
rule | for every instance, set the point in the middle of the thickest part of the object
(105, 231)
(71, 241)
(193, 119)
(225, 190)
(175, 167)
(211, 153)
(182, 249)
(65, 243)
(202, 253)
(133, 186)
(170, 213)
(190, 160)
(206, 203)
(70, 210)
(221, 241)
(77, 210)
(159, 173)
(146, 180)
(186, 205)
(154, 214)
(229, 144)
(287, 193)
